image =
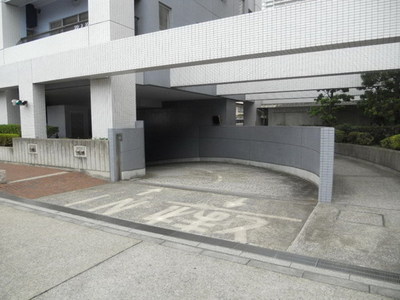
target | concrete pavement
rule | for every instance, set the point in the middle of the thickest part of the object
(50, 255)
(362, 225)
(230, 202)
(256, 206)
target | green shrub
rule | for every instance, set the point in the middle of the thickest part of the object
(345, 127)
(360, 138)
(392, 142)
(16, 129)
(340, 136)
(51, 131)
(378, 132)
(6, 139)
(11, 128)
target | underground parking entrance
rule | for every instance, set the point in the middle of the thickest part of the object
(231, 202)
(215, 180)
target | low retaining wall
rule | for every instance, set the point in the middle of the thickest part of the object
(93, 158)
(303, 151)
(381, 156)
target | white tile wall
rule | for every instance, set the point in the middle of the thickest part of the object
(287, 85)
(320, 63)
(66, 41)
(33, 115)
(294, 95)
(326, 164)
(299, 27)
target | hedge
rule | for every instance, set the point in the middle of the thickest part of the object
(6, 138)
(11, 128)
(340, 136)
(392, 142)
(378, 132)
(360, 138)
(16, 129)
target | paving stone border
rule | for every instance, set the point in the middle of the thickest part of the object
(348, 276)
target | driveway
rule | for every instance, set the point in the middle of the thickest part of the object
(232, 202)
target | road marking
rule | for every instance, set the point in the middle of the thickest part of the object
(149, 192)
(212, 207)
(119, 206)
(236, 203)
(167, 214)
(219, 177)
(203, 222)
(240, 232)
(38, 177)
(86, 200)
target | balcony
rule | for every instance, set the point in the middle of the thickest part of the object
(59, 26)
(69, 27)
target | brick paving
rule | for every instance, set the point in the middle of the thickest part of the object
(17, 171)
(36, 188)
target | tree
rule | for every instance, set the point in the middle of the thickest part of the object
(381, 99)
(327, 105)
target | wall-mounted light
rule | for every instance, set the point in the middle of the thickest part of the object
(19, 102)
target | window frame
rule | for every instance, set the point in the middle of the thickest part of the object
(168, 9)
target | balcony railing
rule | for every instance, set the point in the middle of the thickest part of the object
(66, 28)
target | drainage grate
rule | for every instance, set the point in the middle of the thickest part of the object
(361, 271)
(296, 258)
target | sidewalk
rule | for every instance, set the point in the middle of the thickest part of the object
(32, 182)
(53, 255)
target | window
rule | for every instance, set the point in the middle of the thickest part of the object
(70, 23)
(164, 15)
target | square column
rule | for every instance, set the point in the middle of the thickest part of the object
(113, 104)
(11, 18)
(110, 20)
(33, 115)
(113, 99)
(250, 113)
(9, 114)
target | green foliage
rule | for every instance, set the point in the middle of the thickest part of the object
(381, 99)
(392, 142)
(340, 136)
(6, 138)
(52, 131)
(360, 138)
(16, 129)
(328, 107)
(11, 128)
(378, 132)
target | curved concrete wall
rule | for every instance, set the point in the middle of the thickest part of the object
(384, 157)
(308, 149)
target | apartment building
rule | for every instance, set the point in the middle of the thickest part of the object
(44, 27)
(138, 80)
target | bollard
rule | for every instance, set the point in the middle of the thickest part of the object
(3, 176)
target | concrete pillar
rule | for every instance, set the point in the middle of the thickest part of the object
(33, 115)
(113, 104)
(110, 20)
(229, 116)
(11, 18)
(9, 114)
(113, 99)
(250, 116)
